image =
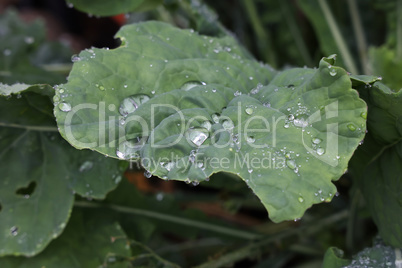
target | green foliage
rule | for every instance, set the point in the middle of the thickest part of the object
(376, 164)
(23, 52)
(380, 255)
(115, 7)
(44, 172)
(89, 240)
(228, 102)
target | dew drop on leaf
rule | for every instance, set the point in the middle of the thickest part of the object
(197, 135)
(14, 231)
(147, 174)
(75, 58)
(249, 110)
(320, 151)
(189, 85)
(301, 199)
(215, 117)
(250, 139)
(130, 104)
(316, 140)
(332, 72)
(351, 127)
(207, 125)
(364, 115)
(64, 106)
(86, 166)
(291, 164)
(228, 124)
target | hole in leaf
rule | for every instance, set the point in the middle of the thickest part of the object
(27, 191)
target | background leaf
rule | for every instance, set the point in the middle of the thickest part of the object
(376, 164)
(22, 53)
(90, 239)
(38, 185)
(115, 7)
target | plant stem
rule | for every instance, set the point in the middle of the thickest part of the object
(58, 68)
(399, 31)
(166, 263)
(340, 42)
(174, 219)
(254, 249)
(350, 231)
(263, 36)
(294, 29)
(360, 37)
(33, 128)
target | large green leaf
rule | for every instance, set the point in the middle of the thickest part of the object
(19, 43)
(40, 172)
(112, 7)
(89, 240)
(190, 106)
(377, 164)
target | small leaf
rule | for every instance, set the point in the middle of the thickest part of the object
(115, 7)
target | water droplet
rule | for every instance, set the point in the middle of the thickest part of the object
(320, 151)
(117, 179)
(291, 164)
(130, 148)
(130, 104)
(189, 85)
(70, 5)
(200, 164)
(102, 88)
(64, 106)
(237, 93)
(147, 174)
(249, 110)
(195, 183)
(301, 200)
(86, 166)
(291, 117)
(29, 40)
(75, 58)
(215, 117)
(300, 122)
(364, 115)
(7, 52)
(228, 124)
(351, 127)
(250, 139)
(159, 196)
(250, 171)
(14, 230)
(332, 72)
(56, 98)
(207, 125)
(251, 78)
(197, 135)
(168, 166)
(286, 125)
(316, 140)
